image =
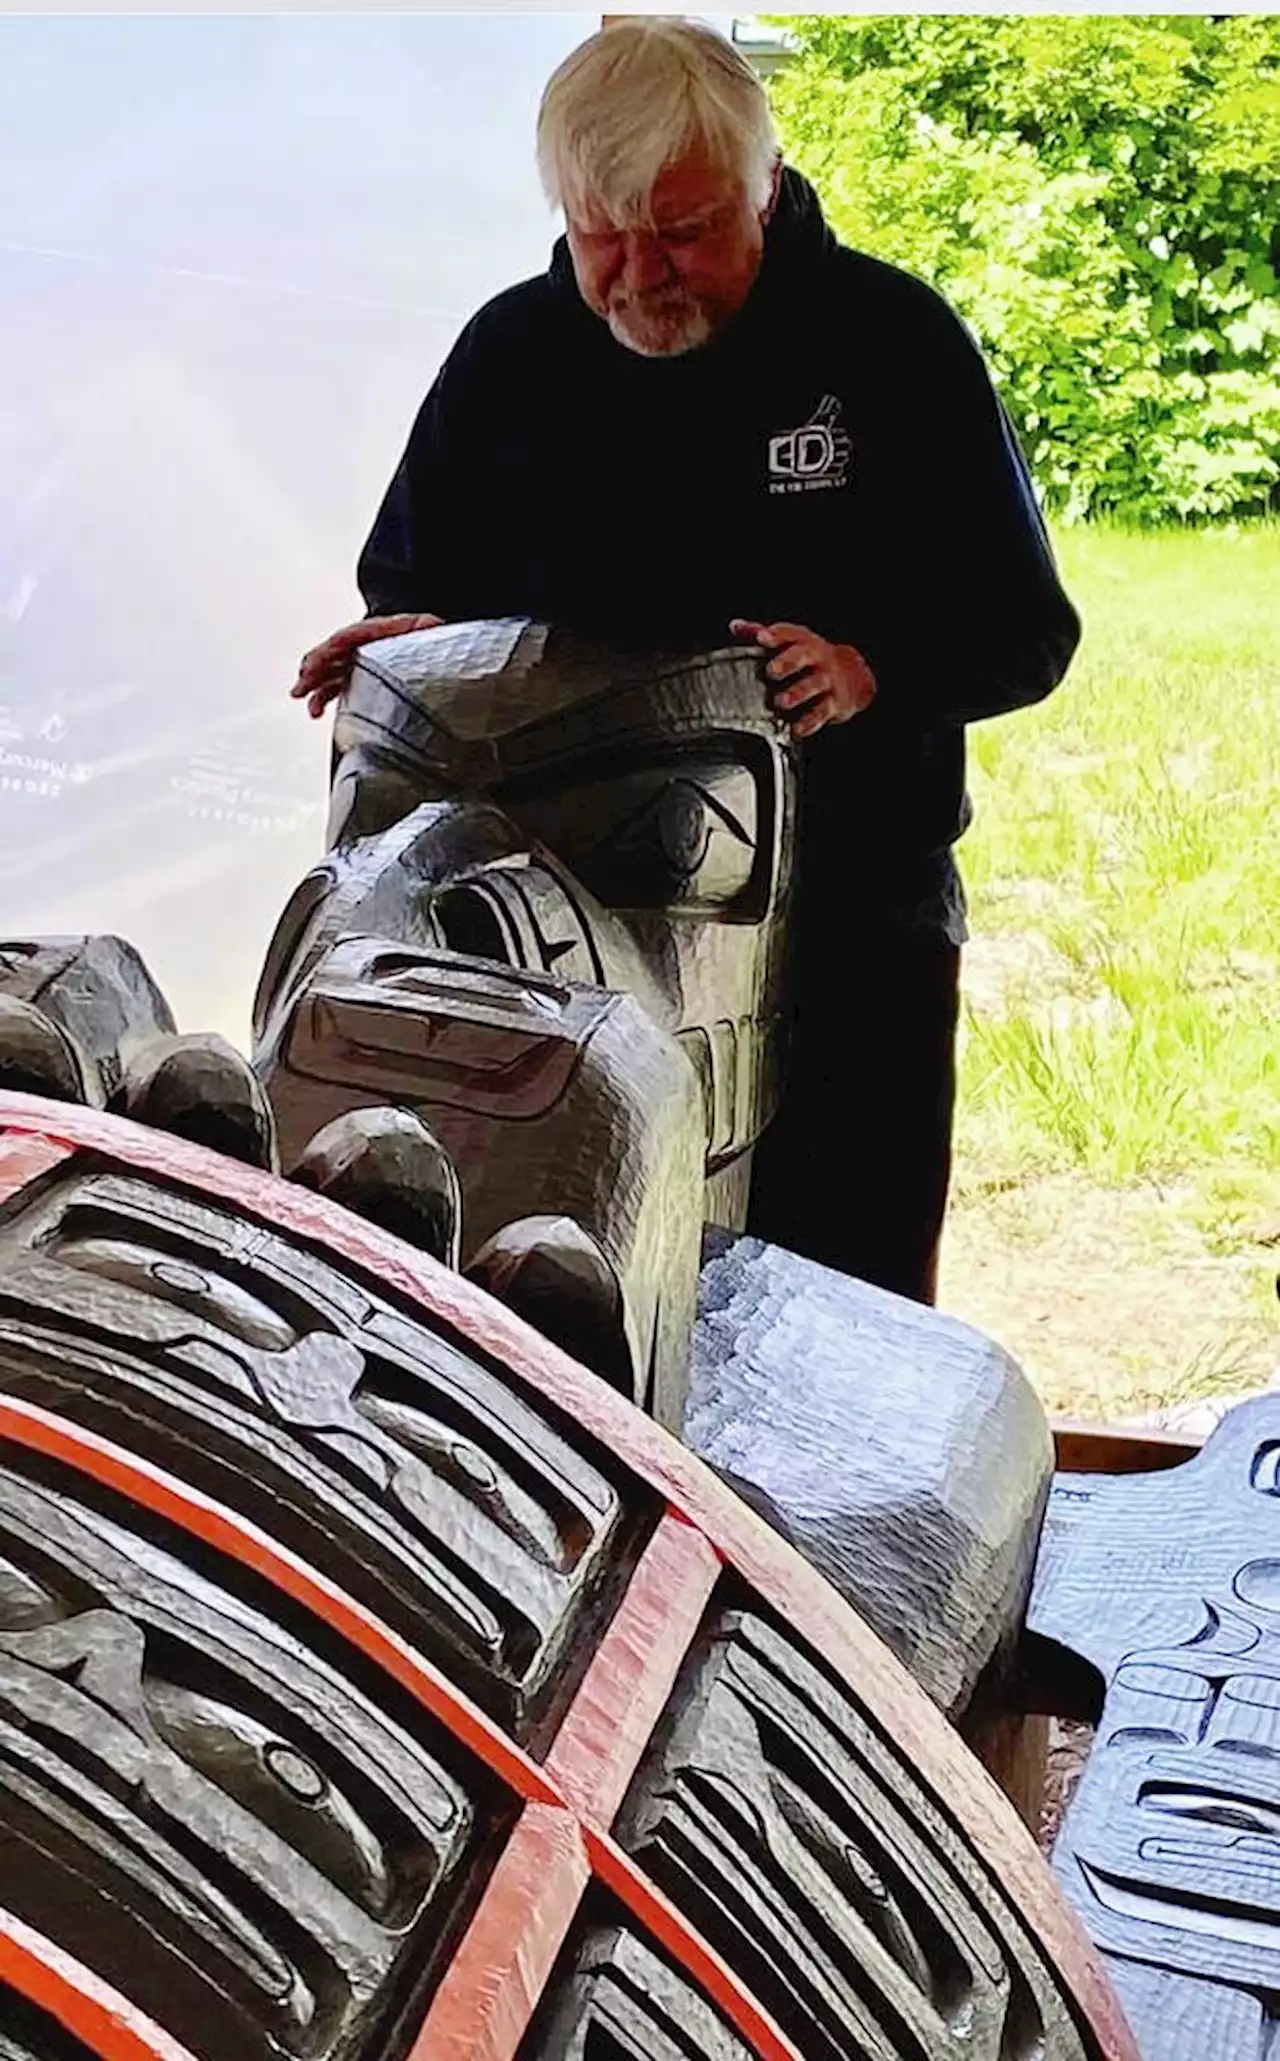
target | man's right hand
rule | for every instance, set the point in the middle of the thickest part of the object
(326, 671)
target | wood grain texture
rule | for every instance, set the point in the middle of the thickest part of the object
(949, 1780)
(1182, 2018)
(1168, 1584)
(907, 1455)
(24, 1157)
(507, 1956)
(628, 1685)
(1015, 1749)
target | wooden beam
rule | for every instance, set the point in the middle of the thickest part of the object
(1084, 1448)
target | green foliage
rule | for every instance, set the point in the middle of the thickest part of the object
(1099, 197)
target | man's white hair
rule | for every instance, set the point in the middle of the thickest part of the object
(642, 94)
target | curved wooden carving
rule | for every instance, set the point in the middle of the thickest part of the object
(633, 1782)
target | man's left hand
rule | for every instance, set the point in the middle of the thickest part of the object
(819, 682)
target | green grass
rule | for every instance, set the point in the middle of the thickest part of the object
(1124, 880)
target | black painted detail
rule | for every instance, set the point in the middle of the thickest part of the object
(800, 1843)
(381, 1451)
(206, 1812)
(615, 1999)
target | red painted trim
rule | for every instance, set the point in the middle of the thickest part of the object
(794, 1589)
(482, 2009)
(595, 1755)
(629, 1682)
(97, 2015)
(23, 1157)
(40, 1431)
(679, 1570)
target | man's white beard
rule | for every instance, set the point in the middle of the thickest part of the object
(661, 329)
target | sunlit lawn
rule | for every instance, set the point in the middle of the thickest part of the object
(1120, 1112)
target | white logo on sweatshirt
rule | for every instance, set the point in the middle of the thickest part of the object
(817, 455)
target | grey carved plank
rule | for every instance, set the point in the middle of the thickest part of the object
(905, 1454)
(1168, 1584)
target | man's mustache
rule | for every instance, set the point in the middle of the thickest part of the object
(658, 298)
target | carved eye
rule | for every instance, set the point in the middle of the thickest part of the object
(203, 1291)
(1258, 1584)
(294, 1772)
(1266, 1468)
(684, 845)
(683, 821)
(681, 836)
(1210, 1806)
(279, 1783)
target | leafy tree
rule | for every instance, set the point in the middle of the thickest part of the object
(1099, 196)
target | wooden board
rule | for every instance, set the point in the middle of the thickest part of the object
(1164, 1587)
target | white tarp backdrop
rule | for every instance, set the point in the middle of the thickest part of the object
(232, 253)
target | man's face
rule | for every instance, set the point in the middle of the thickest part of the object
(666, 286)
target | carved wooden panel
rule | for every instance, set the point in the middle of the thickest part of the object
(810, 1856)
(200, 1805)
(929, 1520)
(357, 1649)
(1169, 1585)
(377, 1447)
(618, 2000)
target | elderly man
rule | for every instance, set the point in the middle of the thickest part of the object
(710, 419)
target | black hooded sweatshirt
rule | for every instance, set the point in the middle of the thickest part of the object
(836, 456)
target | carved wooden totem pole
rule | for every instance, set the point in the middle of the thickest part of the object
(383, 1674)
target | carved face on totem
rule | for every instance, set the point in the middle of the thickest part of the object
(552, 924)
(645, 838)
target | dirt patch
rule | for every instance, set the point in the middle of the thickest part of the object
(1114, 1301)
(1000, 966)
